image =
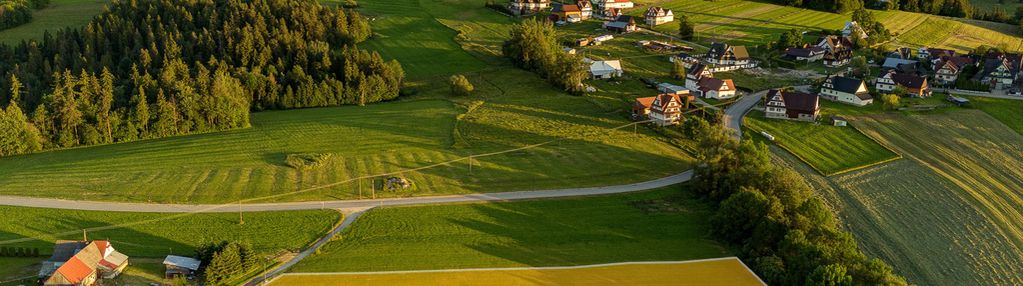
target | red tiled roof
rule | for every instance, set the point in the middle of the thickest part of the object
(74, 270)
(644, 102)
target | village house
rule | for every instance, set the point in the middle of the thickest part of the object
(710, 87)
(567, 12)
(846, 90)
(852, 28)
(837, 50)
(604, 5)
(585, 9)
(606, 69)
(792, 105)
(611, 14)
(180, 266)
(641, 107)
(656, 15)
(724, 54)
(934, 54)
(947, 71)
(810, 54)
(901, 65)
(622, 24)
(999, 70)
(523, 7)
(82, 263)
(666, 109)
(916, 86)
(694, 74)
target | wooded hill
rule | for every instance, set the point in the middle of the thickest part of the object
(154, 68)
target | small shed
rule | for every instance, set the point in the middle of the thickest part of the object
(180, 266)
(839, 121)
(671, 88)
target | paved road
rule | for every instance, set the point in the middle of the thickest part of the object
(735, 112)
(341, 204)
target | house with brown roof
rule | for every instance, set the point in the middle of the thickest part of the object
(567, 12)
(846, 90)
(948, 69)
(656, 15)
(837, 50)
(916, 86)
(611, 14)
(622, 24)
(792, 105)
(666, 109)
(710, 87)
(725, 54)
(695, 73)
(82, 263)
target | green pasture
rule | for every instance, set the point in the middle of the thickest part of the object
(1007, 111)
(59, 14)
(829, 149)
(666, 224)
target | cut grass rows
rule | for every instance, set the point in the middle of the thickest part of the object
(648, 226)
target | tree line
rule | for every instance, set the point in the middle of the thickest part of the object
(770, 216)
(155, 68)
(13, 13)
(836, 6)
(533, 45)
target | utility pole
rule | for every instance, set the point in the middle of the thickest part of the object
(241, 220)
(373, 185)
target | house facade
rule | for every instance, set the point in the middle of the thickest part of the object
(947, 71)
(1000, 70)
(792, 105)
(523, 7)
(602, 5)
(916, 86)
(846, 90)
(811, 54)
(622, 24)
(837, 50)
(694, 74)
(724, 54)
(666, 109)
(656, 15)
(585, 9)
(710, 87)
(567, 12)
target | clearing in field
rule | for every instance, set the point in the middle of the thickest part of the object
(154, 235)
(949, 213)
(828, 149)
(664, 225)
(59, 14)
(725, 272)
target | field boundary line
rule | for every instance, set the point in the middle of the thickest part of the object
(515, 268)
(898, 156)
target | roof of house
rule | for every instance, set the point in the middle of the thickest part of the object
(625, 19)
(835, 42)
(891, 63)
(657, 11)
(584, 4)
(720, 50)
(805, 53)
(668, 87)
(797, 100)
(565, 8)
(193, 264)
(846, 84)
(667, 97)
(908, 80)
(708, 84)
(696, 69)
(612, 65)
(84, 261)
(937, 53)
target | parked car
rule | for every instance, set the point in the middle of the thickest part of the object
(1015, 92)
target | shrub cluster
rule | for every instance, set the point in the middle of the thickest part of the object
(18, 252)
(534, 46)
(768, 213)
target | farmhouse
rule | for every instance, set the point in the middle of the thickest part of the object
(852, 28)
(180, 266)
(724, 54)
(916, 86)
(947, 71)
(846, 90)
(811, 54)
(585, 8)
(656, 15)
(611, 14)
(837, 50)
(695, 73)
(1000, 70)
(622, 24)
(567, 12)
(709, 87)
(604, 5)
(523, 7)
(792, 105)
(666, 109)
(82, 263)
(606, 69)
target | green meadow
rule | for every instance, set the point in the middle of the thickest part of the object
(59, 14)
(665, 224)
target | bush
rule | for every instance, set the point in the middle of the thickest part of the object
(14, 13)
(460, 85)
(304, 161)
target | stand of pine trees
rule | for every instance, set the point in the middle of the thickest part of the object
(155, 68)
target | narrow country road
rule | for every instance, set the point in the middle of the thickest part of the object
(735, 112)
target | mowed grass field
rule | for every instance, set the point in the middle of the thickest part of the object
(947, 214)
(1007, 111)
(729, 271)
(155, 235)
(829, 149)
(751, 23)
(59, 14)
(663, 225)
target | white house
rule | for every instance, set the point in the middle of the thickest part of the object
(585, 8)
(694, 74)
(716, 88)
(724, 54)
(656, 15)
(846, 90)
(603, 5)
(606, 69)
(666, 109)
(792, 105)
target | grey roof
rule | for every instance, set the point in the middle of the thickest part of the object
(181, 261)
(892, 63)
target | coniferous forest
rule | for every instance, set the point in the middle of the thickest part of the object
(154, 68)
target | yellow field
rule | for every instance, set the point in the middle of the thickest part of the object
(722, 271)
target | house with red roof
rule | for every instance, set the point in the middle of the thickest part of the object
(82, 263)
